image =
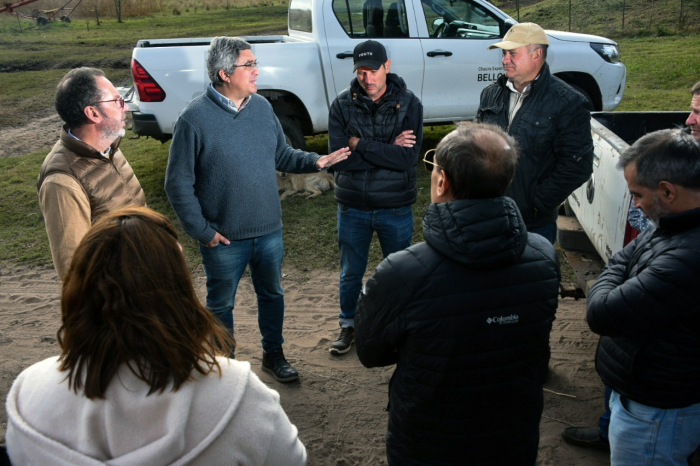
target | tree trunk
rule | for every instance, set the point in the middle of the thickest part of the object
(118, 5)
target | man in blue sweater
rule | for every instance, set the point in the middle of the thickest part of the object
(222, 184)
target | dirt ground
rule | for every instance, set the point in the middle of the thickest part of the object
(338, 405)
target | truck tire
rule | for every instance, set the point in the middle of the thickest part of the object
(589, 101)
(292, 132)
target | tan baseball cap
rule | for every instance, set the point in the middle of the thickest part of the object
(520, 35)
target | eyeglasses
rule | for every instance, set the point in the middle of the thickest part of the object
(119, 100)
(428, 159)
(252, 64)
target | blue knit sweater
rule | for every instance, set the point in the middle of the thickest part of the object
(221, 169)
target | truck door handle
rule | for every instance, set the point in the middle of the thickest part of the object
(435, 53)
(343, 55)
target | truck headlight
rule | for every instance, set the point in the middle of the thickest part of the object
(608, 52)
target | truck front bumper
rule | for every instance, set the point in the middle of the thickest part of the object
(146, 125)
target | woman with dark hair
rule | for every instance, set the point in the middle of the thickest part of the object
(139, 379)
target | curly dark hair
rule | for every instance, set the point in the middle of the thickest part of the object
(77, 90)
(128, 299)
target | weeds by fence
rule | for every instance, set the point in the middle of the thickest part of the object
(609, 17)
(133, 8)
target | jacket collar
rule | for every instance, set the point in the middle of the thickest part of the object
(479, 233)
(82, 149)
(676, 223)
(541, 81)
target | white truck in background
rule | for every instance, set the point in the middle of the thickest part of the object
(439, 47)
(601, 205)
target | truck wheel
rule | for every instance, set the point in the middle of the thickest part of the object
(589, 102)
(292, 132)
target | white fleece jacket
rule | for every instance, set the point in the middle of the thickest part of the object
(232, 420)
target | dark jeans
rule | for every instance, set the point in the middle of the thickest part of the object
(394, 229)
(604, 421)
(224, 266)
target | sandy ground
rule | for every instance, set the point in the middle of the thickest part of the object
(338, 405)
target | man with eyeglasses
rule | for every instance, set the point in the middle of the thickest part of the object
(381, 121)
(465, 315)
(222, 184)
(549, 119)
(85, 175)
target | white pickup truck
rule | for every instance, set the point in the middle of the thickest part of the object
(439, 47)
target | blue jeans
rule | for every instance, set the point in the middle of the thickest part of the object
(643, 435)
(224, 266)
(549, 231)
(604, 421)
(394, 229)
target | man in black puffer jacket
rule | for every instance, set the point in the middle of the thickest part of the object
(382, 123)
(549, 119)
(646, 306)
(465, 316)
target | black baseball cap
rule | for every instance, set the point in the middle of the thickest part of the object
(369, 53)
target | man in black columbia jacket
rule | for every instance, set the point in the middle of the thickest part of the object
(549, 119)
(465, 316)
(382, 123)
(646, 307)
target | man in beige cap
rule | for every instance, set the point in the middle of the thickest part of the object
(549, 119)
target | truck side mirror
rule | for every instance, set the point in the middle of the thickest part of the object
(437, 23)
(505, 25)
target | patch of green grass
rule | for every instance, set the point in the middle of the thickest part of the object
(32, 62)
(30, 94)
(660, 72)
(605, 17)
(22, 233)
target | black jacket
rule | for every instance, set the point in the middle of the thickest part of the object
(466, 317)
(553, 130)
(378, 174)
(646, 306)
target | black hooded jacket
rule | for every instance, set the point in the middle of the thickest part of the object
(377, 174)
(466, 317)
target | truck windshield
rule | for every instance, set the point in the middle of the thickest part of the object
(460, 19)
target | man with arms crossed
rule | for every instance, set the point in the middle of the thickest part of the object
(465, 316)
(597, 437)
(382, 123)
(222, 184)
(550, 121)
(646, 307)
(85, 175)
